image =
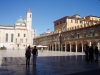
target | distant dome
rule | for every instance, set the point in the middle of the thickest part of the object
(20, 20)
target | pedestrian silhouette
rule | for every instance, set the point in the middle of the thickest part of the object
(28, 55)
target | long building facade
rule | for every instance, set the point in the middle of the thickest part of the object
(18, 35)
(72, 33)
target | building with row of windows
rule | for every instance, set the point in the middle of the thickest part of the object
(18, 35)
(72, 33)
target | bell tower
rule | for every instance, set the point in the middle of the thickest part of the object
(29, 19)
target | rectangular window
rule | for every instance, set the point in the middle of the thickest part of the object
(71, 21)
(24, 35)
(18, 35)
(60, 22)
(76, 21)
(81, 22)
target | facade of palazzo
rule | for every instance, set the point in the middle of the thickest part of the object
(72, 33)
(18, 36)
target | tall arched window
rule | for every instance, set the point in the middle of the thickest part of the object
(30, 15)
(12, 36)
(18, 35)
(6, 37)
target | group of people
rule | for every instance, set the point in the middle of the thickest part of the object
(91, 54)
(28, 53)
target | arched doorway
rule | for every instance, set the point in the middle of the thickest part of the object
(68, 47)
(79, 46)
(57, 47)
(73, 48)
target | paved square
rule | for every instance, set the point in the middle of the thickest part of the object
(12, 62)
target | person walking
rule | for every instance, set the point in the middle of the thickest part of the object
(28, 55)
(96, 53)
(35, 54)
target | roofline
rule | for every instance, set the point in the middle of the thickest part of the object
(6, 25)
(92, 16)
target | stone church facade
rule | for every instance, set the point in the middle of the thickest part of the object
(18, 36)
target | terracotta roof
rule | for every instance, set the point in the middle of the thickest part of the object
(72, 17)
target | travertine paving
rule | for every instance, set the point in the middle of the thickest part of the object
(12, 62)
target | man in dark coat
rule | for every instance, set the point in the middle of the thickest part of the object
(91, 52)
(28, 55)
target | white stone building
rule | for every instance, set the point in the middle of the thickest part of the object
(17, 36)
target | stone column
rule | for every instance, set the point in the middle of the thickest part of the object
(76, 46)
(65, 47)
(52, 47)
(70, 48)
(82, 47)
(90, 44)
(59, 47)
